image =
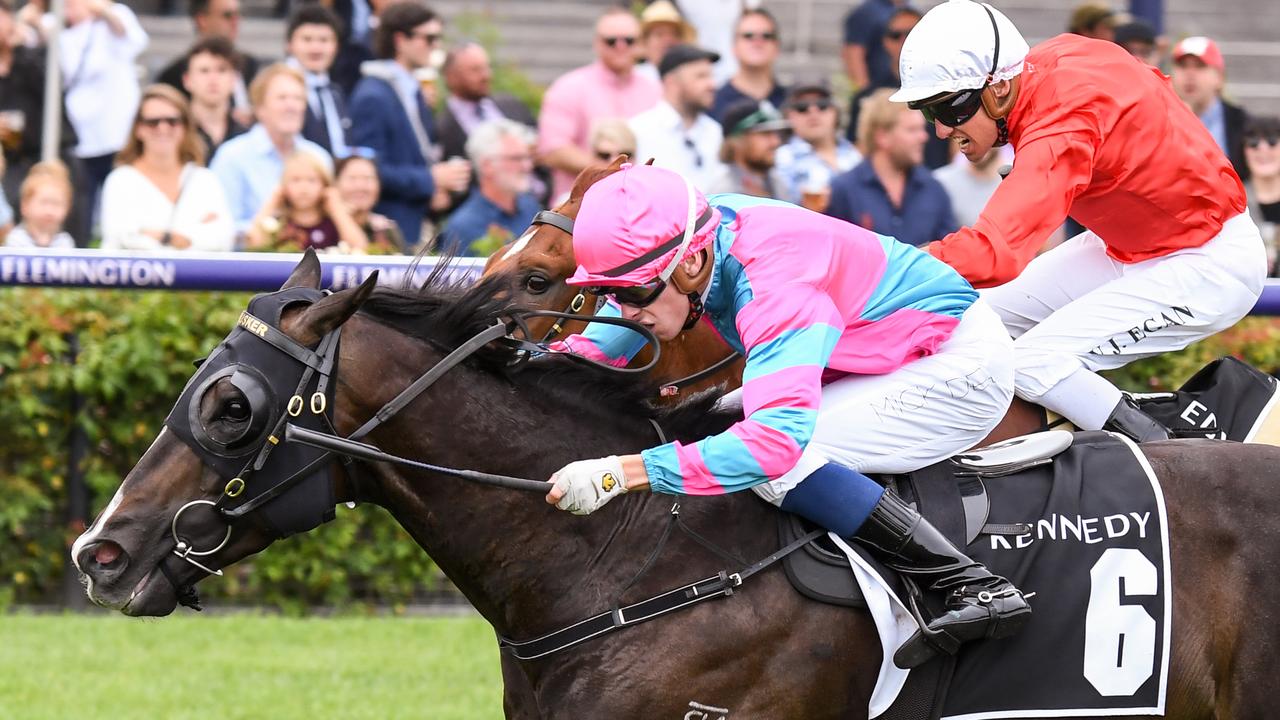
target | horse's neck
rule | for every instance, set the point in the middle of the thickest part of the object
(516, 558)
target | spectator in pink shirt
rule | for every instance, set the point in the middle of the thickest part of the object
(607, 88)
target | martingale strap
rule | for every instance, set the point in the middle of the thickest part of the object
(721, 584)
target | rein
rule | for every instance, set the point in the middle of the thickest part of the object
(722, 584)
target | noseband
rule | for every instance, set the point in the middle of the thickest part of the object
(259, 359)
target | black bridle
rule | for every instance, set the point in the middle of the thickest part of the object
(282, 440)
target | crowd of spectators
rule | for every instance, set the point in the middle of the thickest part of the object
(372, 132)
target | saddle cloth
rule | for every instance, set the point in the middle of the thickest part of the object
(1088, 535)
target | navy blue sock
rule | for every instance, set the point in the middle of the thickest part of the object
(835, 497)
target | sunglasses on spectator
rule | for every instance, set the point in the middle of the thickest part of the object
(953, 109)
(636, 296)
(1256, 140)
(627, 40)
(767, 36)
(155, 122)
(803, 106)
(609, 156)
(431, 38)
(896, 34)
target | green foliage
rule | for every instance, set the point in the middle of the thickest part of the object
(1255, 340)
(135, 356)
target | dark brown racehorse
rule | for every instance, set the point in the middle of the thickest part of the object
(765, 652)
(540, 261)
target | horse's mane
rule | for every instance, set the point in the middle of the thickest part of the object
(445, 313)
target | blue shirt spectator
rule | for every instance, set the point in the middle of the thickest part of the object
(478, 217)
(799, 166)
(756, 45)
(866, 60)
(924, 215)
(727, 95)
(390, 116)
(501, 203)
(249, 167)
(891, 192)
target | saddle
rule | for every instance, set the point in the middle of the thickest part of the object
(950, 494)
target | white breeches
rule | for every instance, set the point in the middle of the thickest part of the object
(1075, 307)
(923, 412)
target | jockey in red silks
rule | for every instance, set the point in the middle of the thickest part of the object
(863, 354)
(1170, 256)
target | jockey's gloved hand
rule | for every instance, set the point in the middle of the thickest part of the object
(584, 486)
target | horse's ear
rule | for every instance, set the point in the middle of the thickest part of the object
(328, 313)
(306, 273)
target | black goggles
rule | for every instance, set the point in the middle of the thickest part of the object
(636, 296)
(953, 109)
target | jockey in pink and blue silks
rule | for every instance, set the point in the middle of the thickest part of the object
(863, 354)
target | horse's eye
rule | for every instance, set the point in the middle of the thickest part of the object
(537, 284)
(236, 410)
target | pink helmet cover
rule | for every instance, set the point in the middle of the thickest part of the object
(628, 214)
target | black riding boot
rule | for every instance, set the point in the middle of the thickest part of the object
(979, 604)
(1131, 422)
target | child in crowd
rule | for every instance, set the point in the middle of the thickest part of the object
(45, 200)
(305, 211)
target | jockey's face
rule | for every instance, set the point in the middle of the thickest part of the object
(665, 317)
(977, 135)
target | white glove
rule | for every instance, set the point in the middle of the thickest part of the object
(589, 484)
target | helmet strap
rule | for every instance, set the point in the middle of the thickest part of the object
(695, 309)
(691, 286)
(1002, 133)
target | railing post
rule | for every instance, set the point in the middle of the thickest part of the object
(73, 595)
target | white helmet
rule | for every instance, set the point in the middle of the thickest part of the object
(959, 45)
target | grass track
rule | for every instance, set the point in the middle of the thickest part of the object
(246, 666)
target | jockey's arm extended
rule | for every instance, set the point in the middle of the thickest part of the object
(610, 344)
(789, 334)
(1026, 208)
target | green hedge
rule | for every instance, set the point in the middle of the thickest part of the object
(135, 354)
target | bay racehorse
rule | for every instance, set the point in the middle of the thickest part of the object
(764, 652)
(538, 263)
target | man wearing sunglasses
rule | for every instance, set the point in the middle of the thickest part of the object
(837, 325)
(1170, 256)
(607, 88)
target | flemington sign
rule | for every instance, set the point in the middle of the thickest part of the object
(204, 271)
(257, 271)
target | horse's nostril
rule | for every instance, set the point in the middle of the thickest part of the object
(103, 556)
(107, 552)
